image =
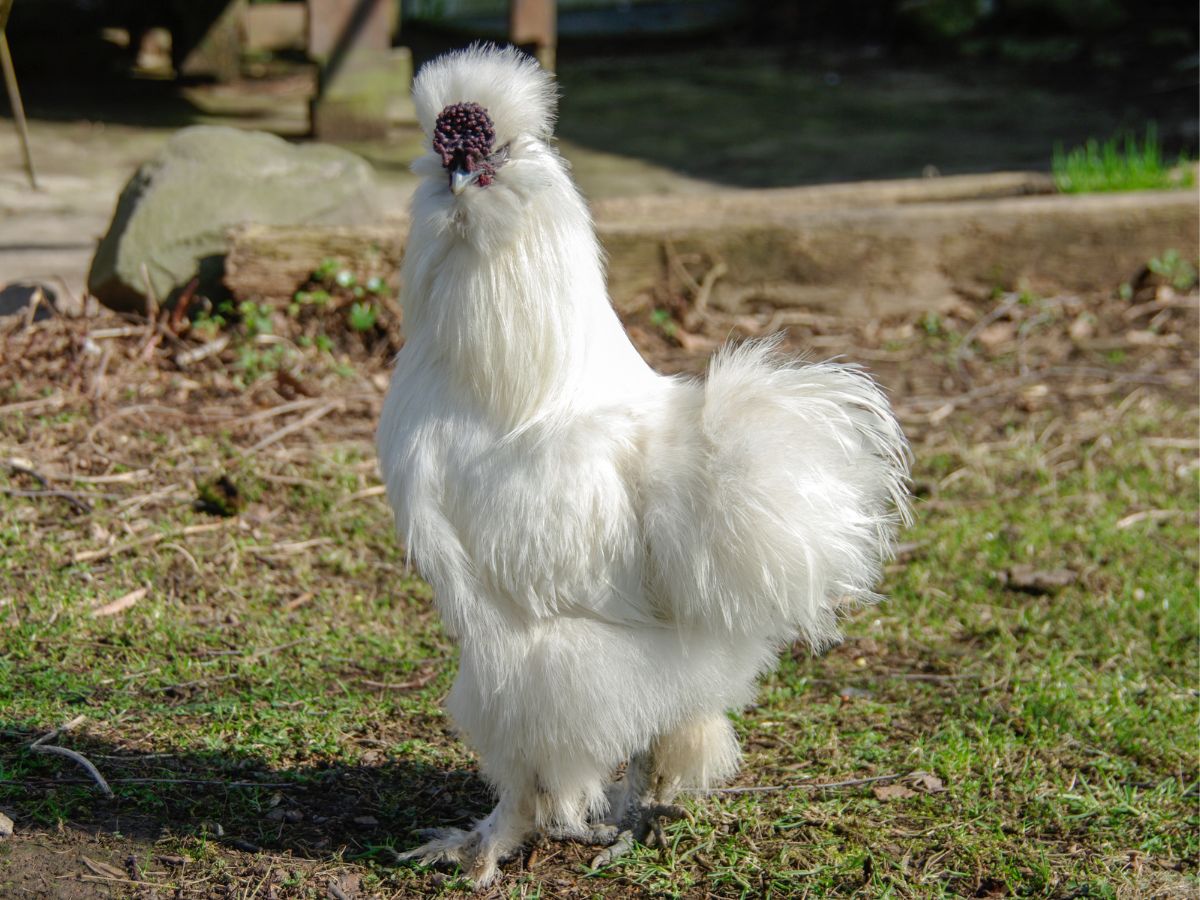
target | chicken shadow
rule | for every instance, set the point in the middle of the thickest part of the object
(239, 799)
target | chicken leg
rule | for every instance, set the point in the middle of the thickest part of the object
(480, 850)
(637, 805)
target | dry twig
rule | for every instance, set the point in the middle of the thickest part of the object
(73, 499)
(298, 425)
(199, 782)
(964, 347)
(40, 746)
(204, 351)
(148, 541)
(120, 604)
(1148, 515)
(412, 684)
(817, 786)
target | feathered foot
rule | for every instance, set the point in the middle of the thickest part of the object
(465, 849)
(642, 826)
(636, 808)
(479, 851)
(448, 845)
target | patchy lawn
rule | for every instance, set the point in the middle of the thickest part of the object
(261, 690)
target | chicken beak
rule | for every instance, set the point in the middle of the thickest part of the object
(460, 178)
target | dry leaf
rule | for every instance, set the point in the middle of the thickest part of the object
(1037, 581)
(104, 870)
(892, 792)
(992, 887)
(1083, 327)
(854, 693)
(928, 783)
(996, 334)
(1033, 397)
(120, 604)
(695, 343)
(1151, 515)
(347, 886)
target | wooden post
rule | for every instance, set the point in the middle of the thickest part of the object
(14, 93)
(534, 23)
(206, 38)
(351, 41)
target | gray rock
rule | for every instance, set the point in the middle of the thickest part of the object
(173, 215)
(6, 826)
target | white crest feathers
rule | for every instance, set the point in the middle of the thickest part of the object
(518, 94)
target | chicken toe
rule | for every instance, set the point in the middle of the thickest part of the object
(642, 826)
(597, 835)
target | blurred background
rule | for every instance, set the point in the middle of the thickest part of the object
(772, 93)
(658, 96)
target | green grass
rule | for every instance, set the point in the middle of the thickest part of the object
(1056, 722)
(1119, 164)
(280, 684)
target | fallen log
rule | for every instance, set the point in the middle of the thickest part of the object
(782, 249)
(269, 262)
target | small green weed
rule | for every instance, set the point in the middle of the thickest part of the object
(335, 288)
(663, 320)
(337, 308)
(256, 318)
(253, 362)
(1177, 271)
(1118, 165)
(362, 316)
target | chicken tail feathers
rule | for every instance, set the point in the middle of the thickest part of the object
(773, 495)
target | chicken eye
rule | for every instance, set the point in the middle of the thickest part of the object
(499, 158)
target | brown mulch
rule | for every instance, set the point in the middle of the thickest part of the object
(106, 400)
(1012, 354)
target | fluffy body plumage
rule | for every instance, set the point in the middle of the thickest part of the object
(619, 554)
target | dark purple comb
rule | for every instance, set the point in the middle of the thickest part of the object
(463, 134)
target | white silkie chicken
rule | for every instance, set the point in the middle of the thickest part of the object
(618, 553)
